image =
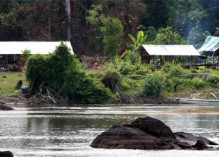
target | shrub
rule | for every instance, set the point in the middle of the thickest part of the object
(174, 69)
(133, 57)
(37, 72)
(48, 71)
(196, 83)
(117, 62)
(214, 79)
(126, 69)
(142, 70)
(132, 86)
(152, 67)
(98, 76)
(80, 88)
(153, 86)
(26, 54)
(62, 73)
(112, 80)
(126, 84)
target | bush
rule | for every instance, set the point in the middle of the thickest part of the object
(152, 67)
(153, 86)
(37, 72)
(174, 69)
(26, 54)
(142, 70)
(48, 71)
(112, 80)
(126, 84)
(126, 69)
(196, 83)
(133, 57)
(80, 88)
(132, 86)
(62, 73)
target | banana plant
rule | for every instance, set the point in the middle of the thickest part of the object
(138, 41)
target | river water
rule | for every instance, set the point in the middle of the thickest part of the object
(68, 131)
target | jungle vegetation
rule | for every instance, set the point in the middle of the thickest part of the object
(96, 23)
(114, 31)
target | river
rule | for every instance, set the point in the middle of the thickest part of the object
(68, 131)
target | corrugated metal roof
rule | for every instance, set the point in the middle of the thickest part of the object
(41, 47)
(210, 45)
(171, 50)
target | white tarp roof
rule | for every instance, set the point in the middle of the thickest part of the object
(36, 47)
(171, 50)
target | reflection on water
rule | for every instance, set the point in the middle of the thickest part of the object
(68, 131)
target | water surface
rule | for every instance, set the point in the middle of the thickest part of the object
(68, 131)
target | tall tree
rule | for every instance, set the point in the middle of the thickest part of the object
(33, 20)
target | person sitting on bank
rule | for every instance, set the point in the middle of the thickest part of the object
(95, 65)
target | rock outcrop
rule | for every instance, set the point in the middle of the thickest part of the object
(6, 154)
(148, 134)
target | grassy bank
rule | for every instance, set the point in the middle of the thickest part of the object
(205, 85)
(188, 87)
(8, 81)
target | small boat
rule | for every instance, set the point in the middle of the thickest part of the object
(196, 101)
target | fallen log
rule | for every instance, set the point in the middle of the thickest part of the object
(191, 76)
(138, 76)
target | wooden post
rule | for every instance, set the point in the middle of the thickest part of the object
(7, 62)
(213, 61)
(205, 63)
(191, 62)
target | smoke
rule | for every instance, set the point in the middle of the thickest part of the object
(201, 21)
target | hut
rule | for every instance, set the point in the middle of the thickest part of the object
(171, 51)
(11, 51)
(210, 48)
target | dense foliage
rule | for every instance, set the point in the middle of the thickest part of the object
(191, 20)
(112, 80)
(112, 32)
(62, 72)
(153, 86)
(78, 87)
(113, 29)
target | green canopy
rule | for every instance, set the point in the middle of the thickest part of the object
(210, 47)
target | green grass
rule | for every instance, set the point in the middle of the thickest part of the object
(131, 86)
(8, 81)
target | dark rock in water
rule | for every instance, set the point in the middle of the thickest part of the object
(191, 139)
(5, 108)
(6, 154)
(154, 127)
(128, 137)
(148, 134)
(200, 145)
